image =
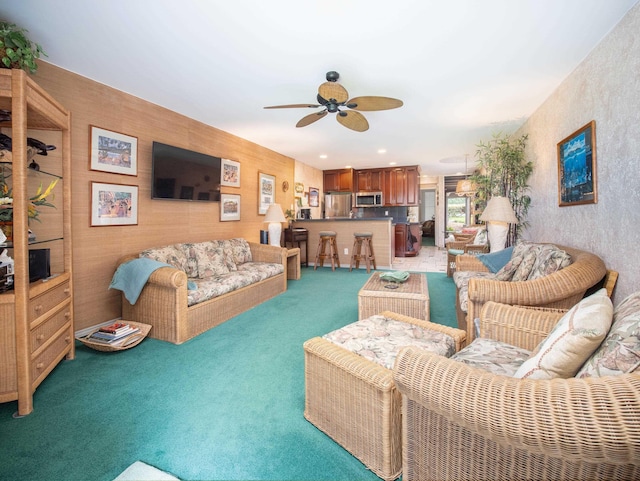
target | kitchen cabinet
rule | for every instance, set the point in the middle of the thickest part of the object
(407, 240)
(338, 180)
(369, 180)
(402, 186)
(36, 318)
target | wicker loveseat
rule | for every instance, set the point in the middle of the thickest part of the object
(463, 422)
(207, 284)
(560, 289)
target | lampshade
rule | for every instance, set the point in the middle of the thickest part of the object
(274, 214)
(466, 187)
(499, 210)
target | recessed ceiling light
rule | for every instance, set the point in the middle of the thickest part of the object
(323, 156)
(382, 151)
(392, 163)
(347, 166)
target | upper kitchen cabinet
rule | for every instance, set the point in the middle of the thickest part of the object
(370, 180)
(339, 180)
(402, 186)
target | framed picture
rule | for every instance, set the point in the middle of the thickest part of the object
(229, 207)
(114, 204)
(314, 197)
(266, 192)
(230, 173)
(113, 152)
(577, 176)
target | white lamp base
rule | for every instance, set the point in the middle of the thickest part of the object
(497, 235)
(275, 230)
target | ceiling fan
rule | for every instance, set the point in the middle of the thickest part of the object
(334, 98)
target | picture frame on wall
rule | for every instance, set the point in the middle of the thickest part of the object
(577, 173)
(230, 173)
(113, 204)
(113, 152)
(229, 207)
(266, 192)
(314, 197)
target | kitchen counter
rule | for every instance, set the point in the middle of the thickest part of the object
(382, 239)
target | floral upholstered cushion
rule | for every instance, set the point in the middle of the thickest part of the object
(191, 267)
(211, 260)
(241, 251)
(461, 279)
(619, 353)
(168, 255)
(492, 356)
(572, 341)
(509, 269)
(379, 339)
(228, 254)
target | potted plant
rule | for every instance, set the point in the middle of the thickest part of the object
(504, 171)
(16, 50)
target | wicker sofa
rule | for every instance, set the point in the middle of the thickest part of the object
(254, 273)
(462, 422)
(560, 289)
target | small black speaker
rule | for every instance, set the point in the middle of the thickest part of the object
(39, 264)
(264, 237)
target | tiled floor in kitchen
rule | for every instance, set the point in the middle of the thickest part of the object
(430, 259)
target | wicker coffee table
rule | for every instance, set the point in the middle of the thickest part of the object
(410, 298)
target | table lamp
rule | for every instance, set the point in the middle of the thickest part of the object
(274, 217)
(498, 215)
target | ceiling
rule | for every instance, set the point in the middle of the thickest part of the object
(464, 69)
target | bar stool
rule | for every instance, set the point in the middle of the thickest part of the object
(327, 249)
(360, 240)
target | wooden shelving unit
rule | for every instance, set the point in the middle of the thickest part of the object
(36, 318)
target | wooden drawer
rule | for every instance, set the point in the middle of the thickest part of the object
(43, 303)
(43, 363)
(44, 331)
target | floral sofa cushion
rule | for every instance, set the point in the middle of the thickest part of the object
(461, 280)
(241, 251)
(168, 255)
(619, 353)
(572, 341)
(379, 339)
(211, 260)
(493, 356)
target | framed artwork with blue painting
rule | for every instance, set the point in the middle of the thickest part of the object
(577, 176)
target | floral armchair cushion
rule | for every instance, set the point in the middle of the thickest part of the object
(492, 356)
(619, 353)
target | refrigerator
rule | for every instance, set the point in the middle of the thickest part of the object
(337, 205)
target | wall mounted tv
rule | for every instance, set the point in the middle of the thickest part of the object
(182, 174)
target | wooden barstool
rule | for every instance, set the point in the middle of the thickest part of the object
(327, 242)
(360, 240)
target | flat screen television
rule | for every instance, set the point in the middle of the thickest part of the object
(182, 174)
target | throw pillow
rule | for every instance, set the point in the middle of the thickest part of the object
(519, 251)
(549, 259)
(496, 261)
(241, 251)
(192, 262)
(211, 261)
(481, 238)
(620, 351)
(576, 336)
(169, 255)
(525, 267)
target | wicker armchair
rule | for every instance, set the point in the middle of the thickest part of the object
(459, 422)
(562, 289)
(464, 246)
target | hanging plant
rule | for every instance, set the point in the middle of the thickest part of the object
(505, 172)
(16, 50)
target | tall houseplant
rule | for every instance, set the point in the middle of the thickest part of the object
(16, 50)
(504, 171)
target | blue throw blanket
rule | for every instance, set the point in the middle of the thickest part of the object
(131, 276)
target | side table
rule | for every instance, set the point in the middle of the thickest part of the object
(293, 263)
(295, 236)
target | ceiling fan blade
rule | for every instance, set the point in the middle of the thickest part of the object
(374, 103)
(309, 119)
(293, 106)
(353, 120)
(333, 90)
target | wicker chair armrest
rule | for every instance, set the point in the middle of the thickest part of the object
(469, 262)
(459, 245)
(476, 249)
(459, 336)
(164, 276)
(594, 420)
(520, 326)
(268, 253)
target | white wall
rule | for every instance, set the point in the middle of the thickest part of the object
(605, 87)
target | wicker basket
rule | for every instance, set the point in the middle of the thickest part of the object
(127, 342)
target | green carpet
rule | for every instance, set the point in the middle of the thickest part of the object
(227, 405)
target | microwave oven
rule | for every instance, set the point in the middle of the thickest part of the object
(369, 199)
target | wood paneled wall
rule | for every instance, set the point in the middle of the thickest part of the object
(96, 250)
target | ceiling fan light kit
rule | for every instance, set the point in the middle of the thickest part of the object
(333, 97)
